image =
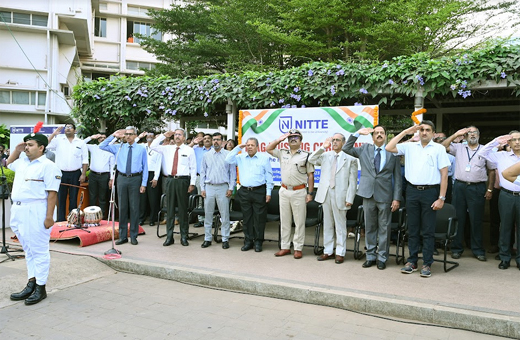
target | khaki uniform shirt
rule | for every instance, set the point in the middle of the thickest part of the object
(295, 167)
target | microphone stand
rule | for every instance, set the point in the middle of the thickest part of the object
(4, 194)
(113, 253)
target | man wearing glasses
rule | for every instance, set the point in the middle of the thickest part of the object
(217, 181)
(473, 186)
(72, 159)
(296, 191)
(179, 167)
(509, 200)
(132, 175)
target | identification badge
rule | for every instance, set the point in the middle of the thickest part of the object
(468, 168)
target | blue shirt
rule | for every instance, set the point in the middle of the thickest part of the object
(383, 155)
(139, 161)
(253, 171)
(200, 151)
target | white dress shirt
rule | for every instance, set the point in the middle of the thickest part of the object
(70, 156)
(100, 160)
(154, 161)
(186, 165)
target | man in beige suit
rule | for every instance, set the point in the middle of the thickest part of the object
(336, 192)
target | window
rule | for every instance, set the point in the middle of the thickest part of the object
(138, 11)
(21, 18)
(23, 97)
(65, 89)
(138, 65)
(142, 28)
(24, 18)
(100, 27)
(103, 6)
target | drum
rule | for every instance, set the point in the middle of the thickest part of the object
(73, 220)
(93, 215)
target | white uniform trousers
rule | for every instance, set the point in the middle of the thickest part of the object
(27, 222)
(292, 207)
(216, 193)
(333, 218)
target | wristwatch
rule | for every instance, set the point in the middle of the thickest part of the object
(442, 198)
(489, 190)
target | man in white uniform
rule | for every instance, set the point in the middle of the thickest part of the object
(35, 192)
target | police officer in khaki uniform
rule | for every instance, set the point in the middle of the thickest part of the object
(35, 193)
(297, 176)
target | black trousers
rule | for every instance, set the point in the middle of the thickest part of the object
(98, 191)
(254, 209)
(150, 200)
(68, 177)
(177, 195)
(128, 197)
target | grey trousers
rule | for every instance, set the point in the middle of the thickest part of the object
(378, 216)
(216, 193)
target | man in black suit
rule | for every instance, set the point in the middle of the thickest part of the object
(379, 170)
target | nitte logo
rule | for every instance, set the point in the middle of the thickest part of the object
(286, 123)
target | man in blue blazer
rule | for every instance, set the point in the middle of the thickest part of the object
(380, 186)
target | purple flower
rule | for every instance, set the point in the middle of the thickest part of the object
(296, 89)
(209, 100)
(338, 66)
(272, 104)
(398, 64)
(205, 114)
(503, 75)
(97, 97)
(174, 112)
(303, 106)
(420, 79)
(161, 107)
(358, 104)
(453, 87)
(103, 89)
(391, 82)
(281, 100)
(405, 82)
(134, 105)
(128, 98)
(148, 111)
(464, 94)
(340, 72)
(294, 106)
(310, 73)
(333, 90)
(328, 72)
(385, 65)
(215, 81)
(364, 91)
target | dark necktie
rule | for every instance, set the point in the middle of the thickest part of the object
(377, 160)
(129, 161)
(175, 161)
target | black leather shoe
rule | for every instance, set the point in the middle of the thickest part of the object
(119, 242)
(184, 241)
(25, 293)
(152, 224)
(225, 245)
(38, 295)
(205, 244)
(381, 265)
(198, 225)
(247, 246)
(168, 242)
(141, 222)
(503, 265)
(134, 241)
(258, 247)
(456, 256)
(369, 263)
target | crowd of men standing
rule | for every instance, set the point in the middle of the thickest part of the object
(417, 173)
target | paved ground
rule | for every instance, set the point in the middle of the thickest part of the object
(105, 304)
(471, 296)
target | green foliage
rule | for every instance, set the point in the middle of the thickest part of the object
(9, 174)
(4, 135)
(137, 101)
(226, 36)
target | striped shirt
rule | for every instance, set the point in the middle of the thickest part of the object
(215, 170)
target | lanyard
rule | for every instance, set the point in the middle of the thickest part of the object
(470, 158)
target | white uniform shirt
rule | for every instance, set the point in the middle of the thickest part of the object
(422, 165)
(70, 156)
(100, 160)
(187, 163)
(154, 161)
(33, 180)
(502, 160)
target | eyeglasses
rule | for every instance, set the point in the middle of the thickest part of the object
(293, 137)
(472, 133)
(129, 134)
(69, 127)
(336, 139)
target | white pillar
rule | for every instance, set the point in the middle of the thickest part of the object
(231, 111)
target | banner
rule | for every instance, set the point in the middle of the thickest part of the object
(316, 124)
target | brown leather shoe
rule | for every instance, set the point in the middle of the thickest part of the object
(282, 252)
(298, 254)
(324, 257)
(339, 259)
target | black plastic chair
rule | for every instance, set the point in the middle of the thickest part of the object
(398, 226)
(356, 220)
(445, 231)
(196, 208)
